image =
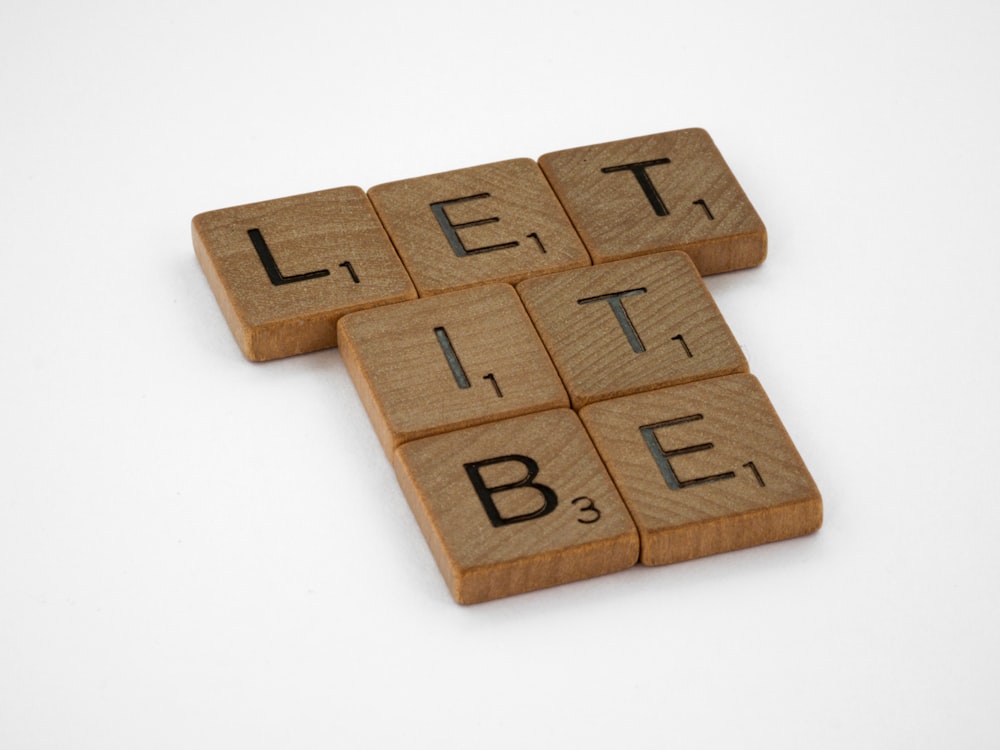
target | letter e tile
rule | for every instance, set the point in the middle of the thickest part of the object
(704, 468)
(670, 191)
(284, 271)
(449, 361)
(629, 326)
(494, 222)
(517, 505)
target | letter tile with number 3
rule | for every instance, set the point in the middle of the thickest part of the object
(517, 505)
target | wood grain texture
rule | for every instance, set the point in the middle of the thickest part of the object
(679, 453)
(446, 362)
(555, 517)
(669, 191)
(495, 222)
(329, 255)
(704, 468)
(630, 326)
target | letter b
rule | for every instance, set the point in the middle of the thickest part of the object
(486, 494)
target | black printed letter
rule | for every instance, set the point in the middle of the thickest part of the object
(271, 266)
(663, 457)
(549, 498)
(638, 169)
(451, 230)
(615, 300)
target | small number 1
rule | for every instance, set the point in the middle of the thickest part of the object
(350, 269)
(496, 386)
(701, 202)
(753, 467)
(534, 236)
(687, 349)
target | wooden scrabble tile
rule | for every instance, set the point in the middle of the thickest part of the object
(671, 191)
(495, 222)
(517, 505)
(449, 361)
(631, 325)
(704, 468)
(285, 270)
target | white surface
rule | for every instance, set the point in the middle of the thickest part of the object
(198, 552)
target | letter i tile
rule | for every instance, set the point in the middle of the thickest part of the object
(449, 361)
(517, 505)
(284, 271)
(705, 467)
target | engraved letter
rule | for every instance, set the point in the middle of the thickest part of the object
(663, 457)
(615, 300)
(451, 230)
(638, 169)
(271, 266)
(461, 379)
(548, 495)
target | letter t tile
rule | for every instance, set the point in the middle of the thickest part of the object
(670, 191)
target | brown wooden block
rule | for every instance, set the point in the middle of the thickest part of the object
(704, 468)
(495, 222)
(285, 270)
(671, 191)
(631, 326)
(449, 361)
(515, 506)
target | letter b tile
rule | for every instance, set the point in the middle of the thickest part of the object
(517, 505)
(704, 468)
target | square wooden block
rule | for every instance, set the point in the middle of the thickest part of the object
(704, 468)
(671, 191)
(629, 326)
(515, 506)
(285, 270)
(449, 361)
(495, 222)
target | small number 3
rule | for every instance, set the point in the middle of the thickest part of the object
(593, 514)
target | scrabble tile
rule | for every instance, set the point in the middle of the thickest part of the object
(631, 325)
(671, 191)
(449, 361)
(285, 270)
(517, 505)
(704, 468)
(495, 222)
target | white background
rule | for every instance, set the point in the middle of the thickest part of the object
(200, 552)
